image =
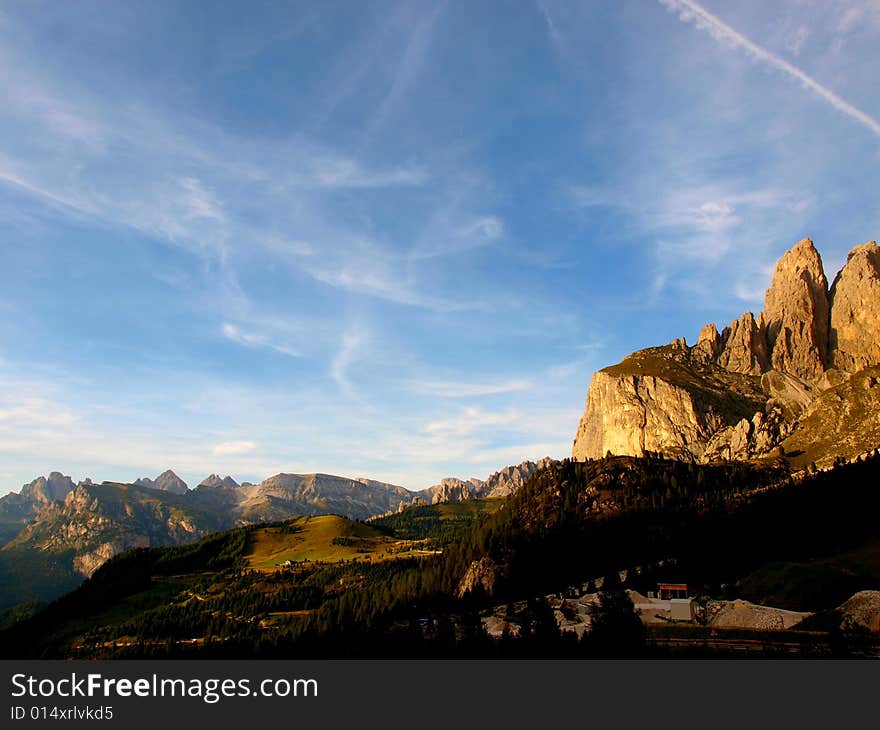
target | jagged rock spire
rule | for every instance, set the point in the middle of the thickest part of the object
(795, 319)
(855, 310)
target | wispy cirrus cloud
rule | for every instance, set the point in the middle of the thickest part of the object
(469, 420)
(692, 12)
(198, 202)
(408, 66)
(234, 448)
(235, 333)
(350, 350)
(453, 389)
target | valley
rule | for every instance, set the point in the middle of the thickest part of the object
(742, 469)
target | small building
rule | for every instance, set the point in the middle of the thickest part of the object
(681, 609)
(666, 591)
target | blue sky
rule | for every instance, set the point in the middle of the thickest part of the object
(395, 239)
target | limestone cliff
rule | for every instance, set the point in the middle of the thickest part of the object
(795, 316)
(17, 509)
(739, 393)
(663, 400)
(855, 310)
(501, 483)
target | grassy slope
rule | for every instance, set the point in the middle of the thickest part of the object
(843, 421)
(142, 580)
(326, 538)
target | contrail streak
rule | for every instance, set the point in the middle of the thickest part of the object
(690, 11)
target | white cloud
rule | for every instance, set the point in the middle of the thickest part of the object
(234, 448)
(851, 18)
(469, 420)
(352, 342)
(407, 67)
(795, 41)
(453, 389)
(373, 277)
(713, 216)
(489, 228)
(199, 202)
(253, 339)
(28, 411)
(552, 28)
(343, 172)
(692, 12)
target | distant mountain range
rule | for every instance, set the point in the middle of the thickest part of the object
(54, 532)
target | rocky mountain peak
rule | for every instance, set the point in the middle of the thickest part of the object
(855, 310)
(743, 347)
(167, 481)
(709, 341)
(54, 488)
(214, 480)
(705, 402)
(796, 313)
(501, 483)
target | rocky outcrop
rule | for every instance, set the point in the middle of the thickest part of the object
(96, 522)
(283, 495)
(18, 509)
(740, 393)
(855, 310)
(214, 480)
(506, 481)
(709, 342)
(167, 481)
(481, 576)
(452, 489)
(43, 490)
(743, 348)
(662, 400)
(501, 483)
(796, 313)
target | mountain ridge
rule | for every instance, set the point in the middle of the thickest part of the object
(741, 393)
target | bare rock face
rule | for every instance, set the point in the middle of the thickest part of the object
(214, 480)
(452, 489)
(18, 509)
(481, 575)
(741, 393)
(637, 414)
(709, 342)
(54, 488)
(662, 400)
(790, 394)
(95, 522)
(167, 481)
(743, 347)
(508, 480)
(750, 437)
(501, 483)
(855, 310)
(796, 313)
